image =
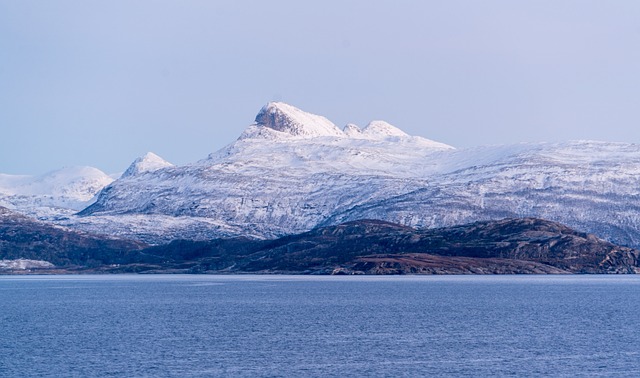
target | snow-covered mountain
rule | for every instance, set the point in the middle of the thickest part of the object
(149, 162)
(54, 194)
(291, 171)
(591, 186)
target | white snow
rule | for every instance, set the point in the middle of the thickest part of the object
(382, 129)
(66, 181)
(352, 130)
(52, 194)
(147, 163)
(24, 264)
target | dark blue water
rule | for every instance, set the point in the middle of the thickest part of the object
(156, 326)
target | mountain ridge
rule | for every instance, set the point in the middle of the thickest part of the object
(269, 183)
(291, 120)
(291, 171)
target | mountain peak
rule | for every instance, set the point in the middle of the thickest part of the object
(149, 162)
(291, 120)
(382, 129)
(352, 130)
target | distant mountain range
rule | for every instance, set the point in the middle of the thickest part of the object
(292, 171)
(53, 195)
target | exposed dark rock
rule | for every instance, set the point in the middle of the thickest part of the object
(509, 246)
(423, 263)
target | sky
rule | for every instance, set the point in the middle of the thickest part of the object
(99, 83)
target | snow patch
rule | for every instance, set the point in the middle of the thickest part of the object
(25, 264)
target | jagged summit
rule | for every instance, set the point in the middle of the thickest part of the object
(289, 136)
(149, 162)
(376, 130)
(289, 119)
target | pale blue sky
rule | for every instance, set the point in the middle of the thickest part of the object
(101, 82)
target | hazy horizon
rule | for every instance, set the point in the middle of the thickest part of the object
(101, 83)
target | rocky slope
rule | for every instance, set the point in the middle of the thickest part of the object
(526, 245)
(510, 246)
(591, 186)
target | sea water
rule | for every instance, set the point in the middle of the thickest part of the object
(208, 326)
